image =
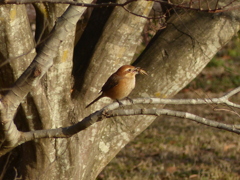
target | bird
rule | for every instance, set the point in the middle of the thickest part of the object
(120, 84)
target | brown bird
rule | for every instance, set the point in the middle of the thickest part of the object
(120, 84)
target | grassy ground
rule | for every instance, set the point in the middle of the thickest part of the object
(173, 148)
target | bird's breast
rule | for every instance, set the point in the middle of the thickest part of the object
(122, 89)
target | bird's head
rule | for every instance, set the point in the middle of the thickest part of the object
(130, 71)
(127, 71)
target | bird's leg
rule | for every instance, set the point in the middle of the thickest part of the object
(120, 104)
(128, 98)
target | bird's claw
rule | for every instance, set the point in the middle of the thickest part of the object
(129, 99)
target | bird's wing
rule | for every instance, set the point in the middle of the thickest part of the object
(111, 82)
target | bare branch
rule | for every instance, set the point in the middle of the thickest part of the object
(66, 131)
(76, 3)
(110, 111)
(231, 93)
(185, 115)
(217, 9)
(221, 100)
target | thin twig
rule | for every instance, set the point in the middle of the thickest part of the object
(183, 5)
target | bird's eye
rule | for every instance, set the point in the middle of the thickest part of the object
(129, 70)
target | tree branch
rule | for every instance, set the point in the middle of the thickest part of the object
(221, 100)
(217, 9)
(76, 3)
(185, 115)
(110, 111)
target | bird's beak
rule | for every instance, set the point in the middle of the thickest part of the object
(139, 70)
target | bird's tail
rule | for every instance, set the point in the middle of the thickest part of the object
(99, 97)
